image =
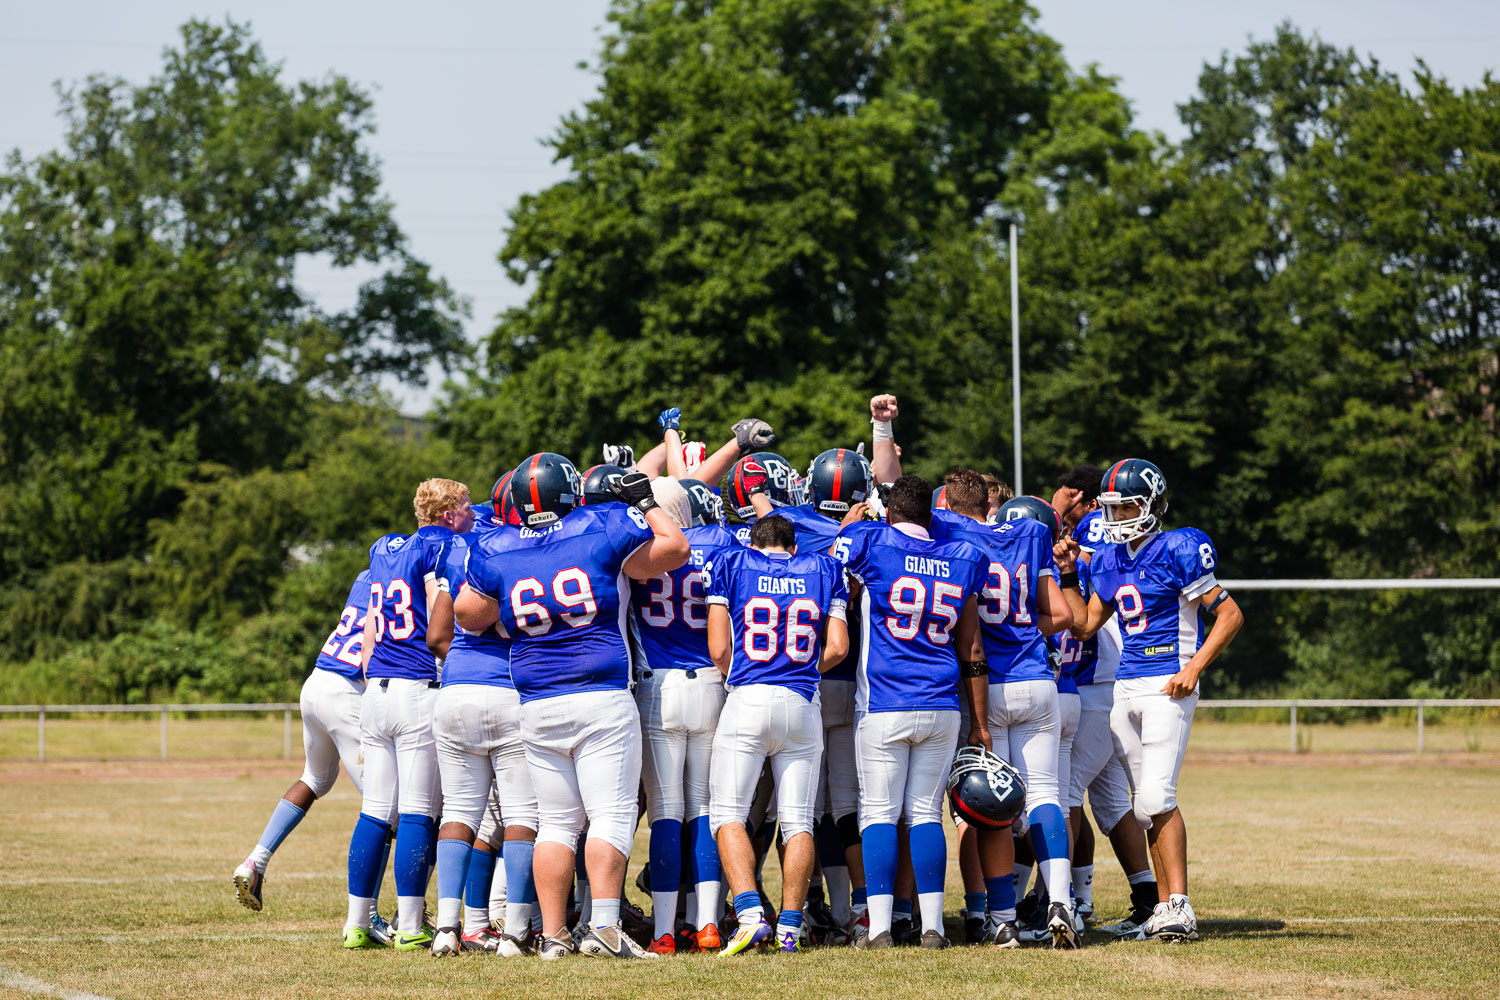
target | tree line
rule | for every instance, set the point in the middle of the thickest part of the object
(771, 206)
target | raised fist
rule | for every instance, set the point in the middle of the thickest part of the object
(1065, 552)
(619, 454)
(883, 408)
(752, 434)
(754, 476)
(634, 488)
(671, 419)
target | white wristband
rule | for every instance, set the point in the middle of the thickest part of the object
(883, 430)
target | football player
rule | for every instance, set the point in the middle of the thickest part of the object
(764, 474)
(1077, 503)
(679, 693)
(477, 723)
(1020, 604)
(556, 587)
(330, 702)
(683, 460)
(408, 628)
(919, 623)
(1159, 583)
(775, 622)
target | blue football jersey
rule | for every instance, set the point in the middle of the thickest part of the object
(741, 532)
(1152, 593)
(669, 619)
(816, 532)
(1018, 554)
(777, 608)
(475, 657)
(1076, 660)
(400, 566)
(914, 591)
(564, 598)
(340, 653)
(1090, 532)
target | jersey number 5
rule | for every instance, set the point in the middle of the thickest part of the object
(909, 600)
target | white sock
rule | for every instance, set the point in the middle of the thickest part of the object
(690, 905)
(1178, 899)
(880, 912)
(409, 913)
(261, 856)
(663, 912)
(1139, 877)
(931, 905)
(838, 893)
(497, 892)
(1083, 883)
(606, 913)
(475, 918)
(710, 904)
(359, 911)
(448, 910)
(1023, 878)
(517, 916)
(1059, 889)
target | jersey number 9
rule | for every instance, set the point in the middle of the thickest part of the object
(570, 589)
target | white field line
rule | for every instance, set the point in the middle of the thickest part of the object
(30, 984)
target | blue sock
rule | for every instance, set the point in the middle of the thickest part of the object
(974, 902)
(365, 847)
(705, 852)
(519, 879)
(900, 909)
(452, 867)
(880, 859)
(1000, 893)
(666, 855)
(746, 901)
(830, 845)
(789, 918)
(859, 897)
(477, 885)
(412, 839)
(284, 819)
(929, 857)
(1049, 840)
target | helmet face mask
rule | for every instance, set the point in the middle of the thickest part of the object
(984, 789)
(1132, 499)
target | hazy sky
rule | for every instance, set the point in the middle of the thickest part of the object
(464, 91)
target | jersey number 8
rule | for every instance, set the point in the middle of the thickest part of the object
(763, 618)
(399, 591)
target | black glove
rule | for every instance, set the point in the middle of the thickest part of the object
(634, 488)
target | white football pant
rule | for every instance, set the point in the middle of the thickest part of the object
(330, 729)
(1095, 768)
(903, 760)
(762, 722)
(1068, 711)
(478, 730)
(838, 778)
(400, 770)
(1150, 731)
(584, 752)
(679, 715)
(1025, 731)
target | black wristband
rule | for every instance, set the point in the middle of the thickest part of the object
(973, 668)
(1067, 581)
(1223, 596)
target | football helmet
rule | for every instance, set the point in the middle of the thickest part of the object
(837, 480)
(984, 789)
(1036, 509)
(596, 483)
(783, 486)
(504, 507)
(705, 503)
(1133, 498)
(940, 498)
(545, 489)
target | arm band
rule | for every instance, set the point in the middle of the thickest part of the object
(1223, 596)
(973, 668)
(1067, 581)
(883, 431)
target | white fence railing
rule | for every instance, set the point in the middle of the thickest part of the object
(287, 709)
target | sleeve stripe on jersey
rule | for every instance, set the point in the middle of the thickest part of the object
(1200, 586)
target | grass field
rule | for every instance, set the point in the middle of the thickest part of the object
(1360, 877)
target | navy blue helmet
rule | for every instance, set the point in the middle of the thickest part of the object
(838, 479)
(985, 790)
(544, 489)
(1133, 497)
(1036, 509)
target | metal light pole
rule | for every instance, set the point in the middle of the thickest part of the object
(1015, 353)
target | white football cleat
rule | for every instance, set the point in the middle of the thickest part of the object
(248, 881)
(612, 942)
(446, 942)
(1173, 922)
(380, 928)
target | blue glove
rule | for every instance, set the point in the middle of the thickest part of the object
(670, 420)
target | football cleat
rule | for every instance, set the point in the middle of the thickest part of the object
(359, 937)
(509, 946)
(446, 943)
(934, 940)
(381, 930)
(664, 945)
(708, 939)
(248, 880)
(859, 926)
(1031, 919)
(1060, 926)
(1132, 928)
(1173, 922)
(1006, 935)
(904, 931)
(838, 937)
(790, 941)
(879, 942)
(1084, 910)
(414, 942)
(559, 945)
(974, 926)
(632, 916)
(484, 939)
(612, 942)
(820, 920)
(748, 936)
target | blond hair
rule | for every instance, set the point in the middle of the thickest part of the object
(435, 497)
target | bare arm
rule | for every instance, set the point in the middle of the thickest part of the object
(667, 549)
(969, 642)
(367, 644)
(672, 442)
(835, 644)
(1228, 619)
(474, 611)
(885, 461)
(1056, 615)
(720, 638)
(653, 462)
(439, 620)
(1099, 613)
